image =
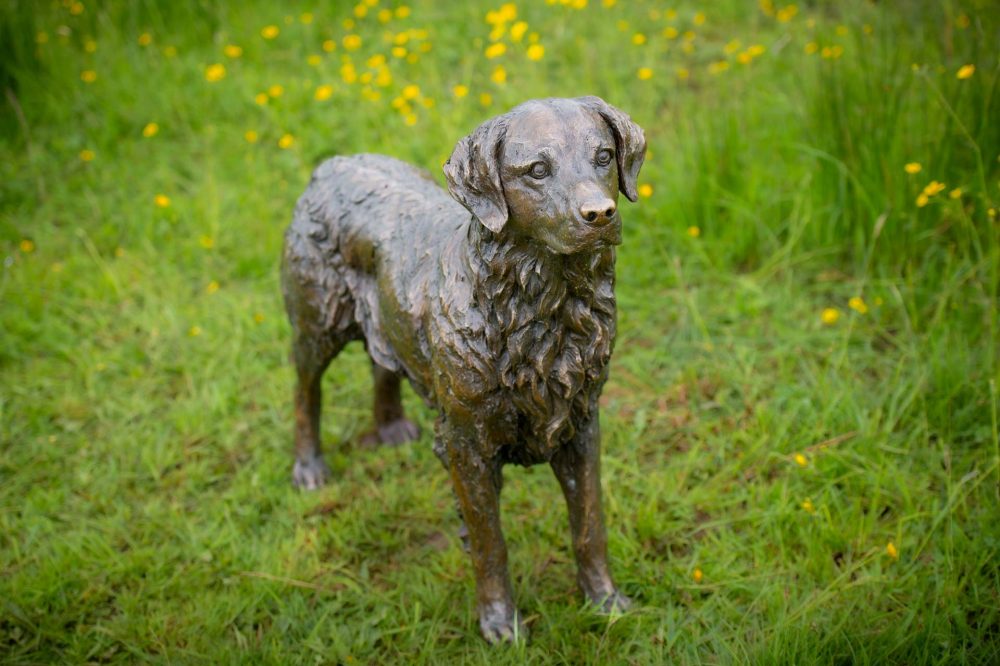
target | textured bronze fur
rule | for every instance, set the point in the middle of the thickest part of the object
(502, 320)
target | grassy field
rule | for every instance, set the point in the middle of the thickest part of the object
(801, 450)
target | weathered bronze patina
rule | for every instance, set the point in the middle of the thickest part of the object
(502, 320)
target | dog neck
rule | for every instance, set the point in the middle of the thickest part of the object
(550, 323)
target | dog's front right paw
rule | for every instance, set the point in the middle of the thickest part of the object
(310, 473)
(501, 623)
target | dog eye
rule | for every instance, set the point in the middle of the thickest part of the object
(539, 170)
(604, 157)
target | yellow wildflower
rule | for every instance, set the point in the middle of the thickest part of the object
(270, 32)
(829, 316)
(150, 130)
(841, 30)
(87, 155)
(398, 51)
(88, 76)
(732, 47)
(965, 71)
(933, 187)
(499, 75)
(892, 551)
(857, 304)
(808, 506)
(495, 50)
(384, 15)
(212, 287)
(119, 252)
(638, 39)
(324, 92)
(812, 47)
(194, 331)
(315, 60)
(261, 98)
(145, 39)
(699, 18)
(161, 201)
(233, 51)
(922, 200)
(277, 90)
(536, 52)
(27, 246)
(517, 30)
(215, 72)
(786, 14)
(411, 91)
(756, 50)
(352, 42)
(744, 58)
(306, 18)
(801, 460)
(697, 575)
(361, 11)
(670, 32)
(251, 136)
(206, 242)
(693, 231)
(258, 318)
(460, 91)
(286, 141)
(170, 51)
(646, 190)
(329, 45)
(410, 119)
(644, 73)
(956, 193)
(89, 45)
(682, 73)
(486, 99)
(718, 67)
(348, 73)
(402, 11)
(912, 167)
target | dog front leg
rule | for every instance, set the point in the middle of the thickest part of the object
(477, 486)
(577, 465)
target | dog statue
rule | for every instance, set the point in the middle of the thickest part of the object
(502, 320)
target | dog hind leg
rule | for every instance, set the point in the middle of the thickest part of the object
(391, 425)
(312, 356)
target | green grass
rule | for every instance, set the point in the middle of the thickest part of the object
(146, 510)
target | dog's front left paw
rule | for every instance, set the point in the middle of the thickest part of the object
(501, 623)
(310, 473)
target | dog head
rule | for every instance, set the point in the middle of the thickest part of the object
(551, 170)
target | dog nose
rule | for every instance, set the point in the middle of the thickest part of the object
(598, 213)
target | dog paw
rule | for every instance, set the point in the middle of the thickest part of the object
(614, 603)
(310, 473)
(500, 623)
(393, 433)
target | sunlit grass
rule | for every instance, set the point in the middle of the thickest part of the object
(800, 431)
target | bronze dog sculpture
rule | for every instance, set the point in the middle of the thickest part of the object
(503, 320)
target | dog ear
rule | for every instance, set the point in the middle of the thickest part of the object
(630, 143)
(473, 173)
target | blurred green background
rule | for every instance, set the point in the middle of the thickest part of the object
(801, 455)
